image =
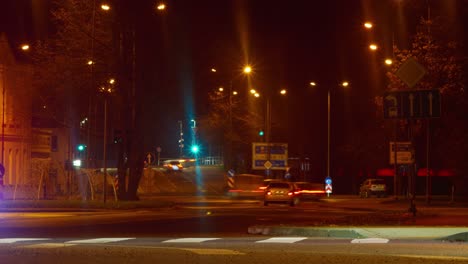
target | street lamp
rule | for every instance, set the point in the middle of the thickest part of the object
(368, 25)
(267, 122)
(343, 84)
(373, 47)
(246, 70)
(161, 7)
(106, 91)
(105, 7)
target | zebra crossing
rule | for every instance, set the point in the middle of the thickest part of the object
(188, 240)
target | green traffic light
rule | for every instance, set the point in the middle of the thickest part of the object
(261, 133)
(195, 149)
(81, 147)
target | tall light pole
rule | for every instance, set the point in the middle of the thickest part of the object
(267, 122)
(246, 70)
(106, 91)
(343, 84)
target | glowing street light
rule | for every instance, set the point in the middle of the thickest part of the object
(90, 62)
(313, 83)
(213, 70)
(368, 25)
(105, 7)
(25, 47)
(345, 84)
(373, 47)
(161, 7)
(388, 61)
(247, 69)
(111, 81)
(221, 89)
(283, 91)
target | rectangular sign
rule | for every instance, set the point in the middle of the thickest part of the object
(278, 156)
(404, 153)
(412, 104)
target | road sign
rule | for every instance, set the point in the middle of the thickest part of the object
(267, 165)
(276, 159)
(328, 188)
(412, 104)
(404, 153)
(158, 149)
(149, 158)
(328, 180)
(411, 72)
(231, 173)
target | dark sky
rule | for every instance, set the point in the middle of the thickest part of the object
(289, 44)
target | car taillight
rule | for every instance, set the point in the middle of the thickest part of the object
(290, 193)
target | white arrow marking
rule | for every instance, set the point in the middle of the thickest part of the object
(430, 96)
(411, 98)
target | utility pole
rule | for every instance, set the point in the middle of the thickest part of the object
(181, 139)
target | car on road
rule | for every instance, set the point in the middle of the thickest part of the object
(371, 187)
(280, 192)
(266, 182)
(309, 191)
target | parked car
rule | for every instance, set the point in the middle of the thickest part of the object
(280, 192)
(309, 191)
(371, 187)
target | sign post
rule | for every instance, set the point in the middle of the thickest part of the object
(269, 156)
(328, 185)
(158, 150)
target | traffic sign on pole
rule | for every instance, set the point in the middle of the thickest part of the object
(412, 104)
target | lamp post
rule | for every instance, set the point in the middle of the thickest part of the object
(106, 91)
(267, 122)
(343, 84)
(246, 70)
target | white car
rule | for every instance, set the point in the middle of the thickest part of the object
(371, 187)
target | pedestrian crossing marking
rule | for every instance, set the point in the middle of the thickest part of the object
(189, 240)
(48, 245)
(99, 240)
(282, 240)
(14, 240)
(369, 241)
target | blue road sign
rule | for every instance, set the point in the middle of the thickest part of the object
(412, 104)
(328, 180)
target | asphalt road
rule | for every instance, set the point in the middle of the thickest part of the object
(232, 250)
(214, 230)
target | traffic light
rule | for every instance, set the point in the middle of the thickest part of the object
(195, 149)
(81, 147)
(261, 133)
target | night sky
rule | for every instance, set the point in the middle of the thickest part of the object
(288, 43)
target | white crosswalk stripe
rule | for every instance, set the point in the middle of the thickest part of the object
(282, 240)
(99, 240)
(189, 240)
(14, 240)
(370, 241)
